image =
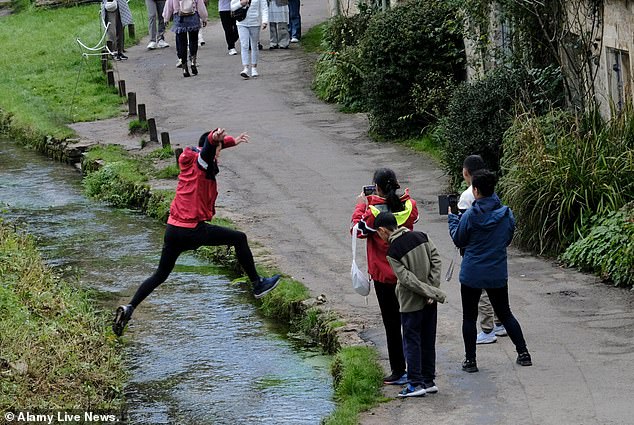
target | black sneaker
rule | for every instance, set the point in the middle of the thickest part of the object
(121, 318)
(264, 285)
(122, 57)
(396, 379)
(430, 387)
(469, 365)
(524, 359)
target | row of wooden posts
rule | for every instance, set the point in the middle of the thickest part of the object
(133, 108)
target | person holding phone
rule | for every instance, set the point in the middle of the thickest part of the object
(188, 228)
(370, 203)
(484, 231)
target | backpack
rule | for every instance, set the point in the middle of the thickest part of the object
(186, 7)
(240, 13)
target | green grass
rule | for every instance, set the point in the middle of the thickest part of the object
(312, 40)
(56, 350)
(45, 82)
(425, 144)
(358, 379)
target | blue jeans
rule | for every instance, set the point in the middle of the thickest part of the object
(500, 301)
(419, 342)
(295, 26)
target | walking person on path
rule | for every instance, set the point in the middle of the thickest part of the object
(187, 227)
(295, 25)
(187, 22)
(416, 263)
(118, 14)
(249, 31)
(404, 209)
(484, 231)
(278, 24)
(228, 25)
(156, 24)
(489, 322)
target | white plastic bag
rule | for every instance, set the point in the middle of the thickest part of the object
(360, 282)
(111, 5)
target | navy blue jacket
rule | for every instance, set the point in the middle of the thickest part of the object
(484, 231)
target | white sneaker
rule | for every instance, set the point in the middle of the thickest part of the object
(179, 64)
(486, 338)
(499, 330)
(162, 44)
(232, 52)
(294, 40)
(254, 72)
(151, 45)
(245, 73)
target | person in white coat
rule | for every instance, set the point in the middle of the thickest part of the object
(249, 32)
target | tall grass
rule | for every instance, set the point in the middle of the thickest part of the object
(559, 170)
(55, 351)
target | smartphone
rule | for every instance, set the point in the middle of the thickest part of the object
(369, 189)
(453, 203)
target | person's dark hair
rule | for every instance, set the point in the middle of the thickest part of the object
(203, 137)
(385, 219)
(484, 181)
(473, 163)
(386, 180)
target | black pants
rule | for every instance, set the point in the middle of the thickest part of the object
(180, 239)
(388, 303)
(182, 42)
(419, 335)
(231, 30)
(500, 301)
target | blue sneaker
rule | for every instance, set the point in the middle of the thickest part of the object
(430, 387)
(264, 285)
(412, 391)
(395, 379)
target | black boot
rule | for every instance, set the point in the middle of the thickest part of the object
(185, 69)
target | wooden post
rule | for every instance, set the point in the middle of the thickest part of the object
(151, 122)
(104, 62)
(110, 75)
(165, 138)
(132, 103)
(142, 116)
(131, 32)
(177, 154)
(122, 88)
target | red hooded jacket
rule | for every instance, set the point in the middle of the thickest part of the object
(364, 215)
(196, 194)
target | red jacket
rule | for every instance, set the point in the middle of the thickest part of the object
(378, 267)
(196, 194)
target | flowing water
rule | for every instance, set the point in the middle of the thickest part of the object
(197, 349)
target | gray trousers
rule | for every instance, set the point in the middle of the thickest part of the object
(115, 30)
(279, 35)
(154, 13)
(488, 319)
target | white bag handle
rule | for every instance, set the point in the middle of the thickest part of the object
(360, 282)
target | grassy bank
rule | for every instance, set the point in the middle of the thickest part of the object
(55, 352)
(45, 82)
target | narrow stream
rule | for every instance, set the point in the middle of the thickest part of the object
(198, 351)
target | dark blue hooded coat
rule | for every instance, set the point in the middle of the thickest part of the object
(484, 231)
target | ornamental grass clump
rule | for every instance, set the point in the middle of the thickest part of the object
(560, 170)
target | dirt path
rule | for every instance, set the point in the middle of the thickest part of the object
(293, 189)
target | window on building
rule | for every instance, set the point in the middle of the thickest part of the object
(619, 78)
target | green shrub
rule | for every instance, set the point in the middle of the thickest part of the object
(558, 171)
(478, 115)
(338, 74)
(338, 79)
(410, 47)
(607, 247)
(138, 127)
(170, 172)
